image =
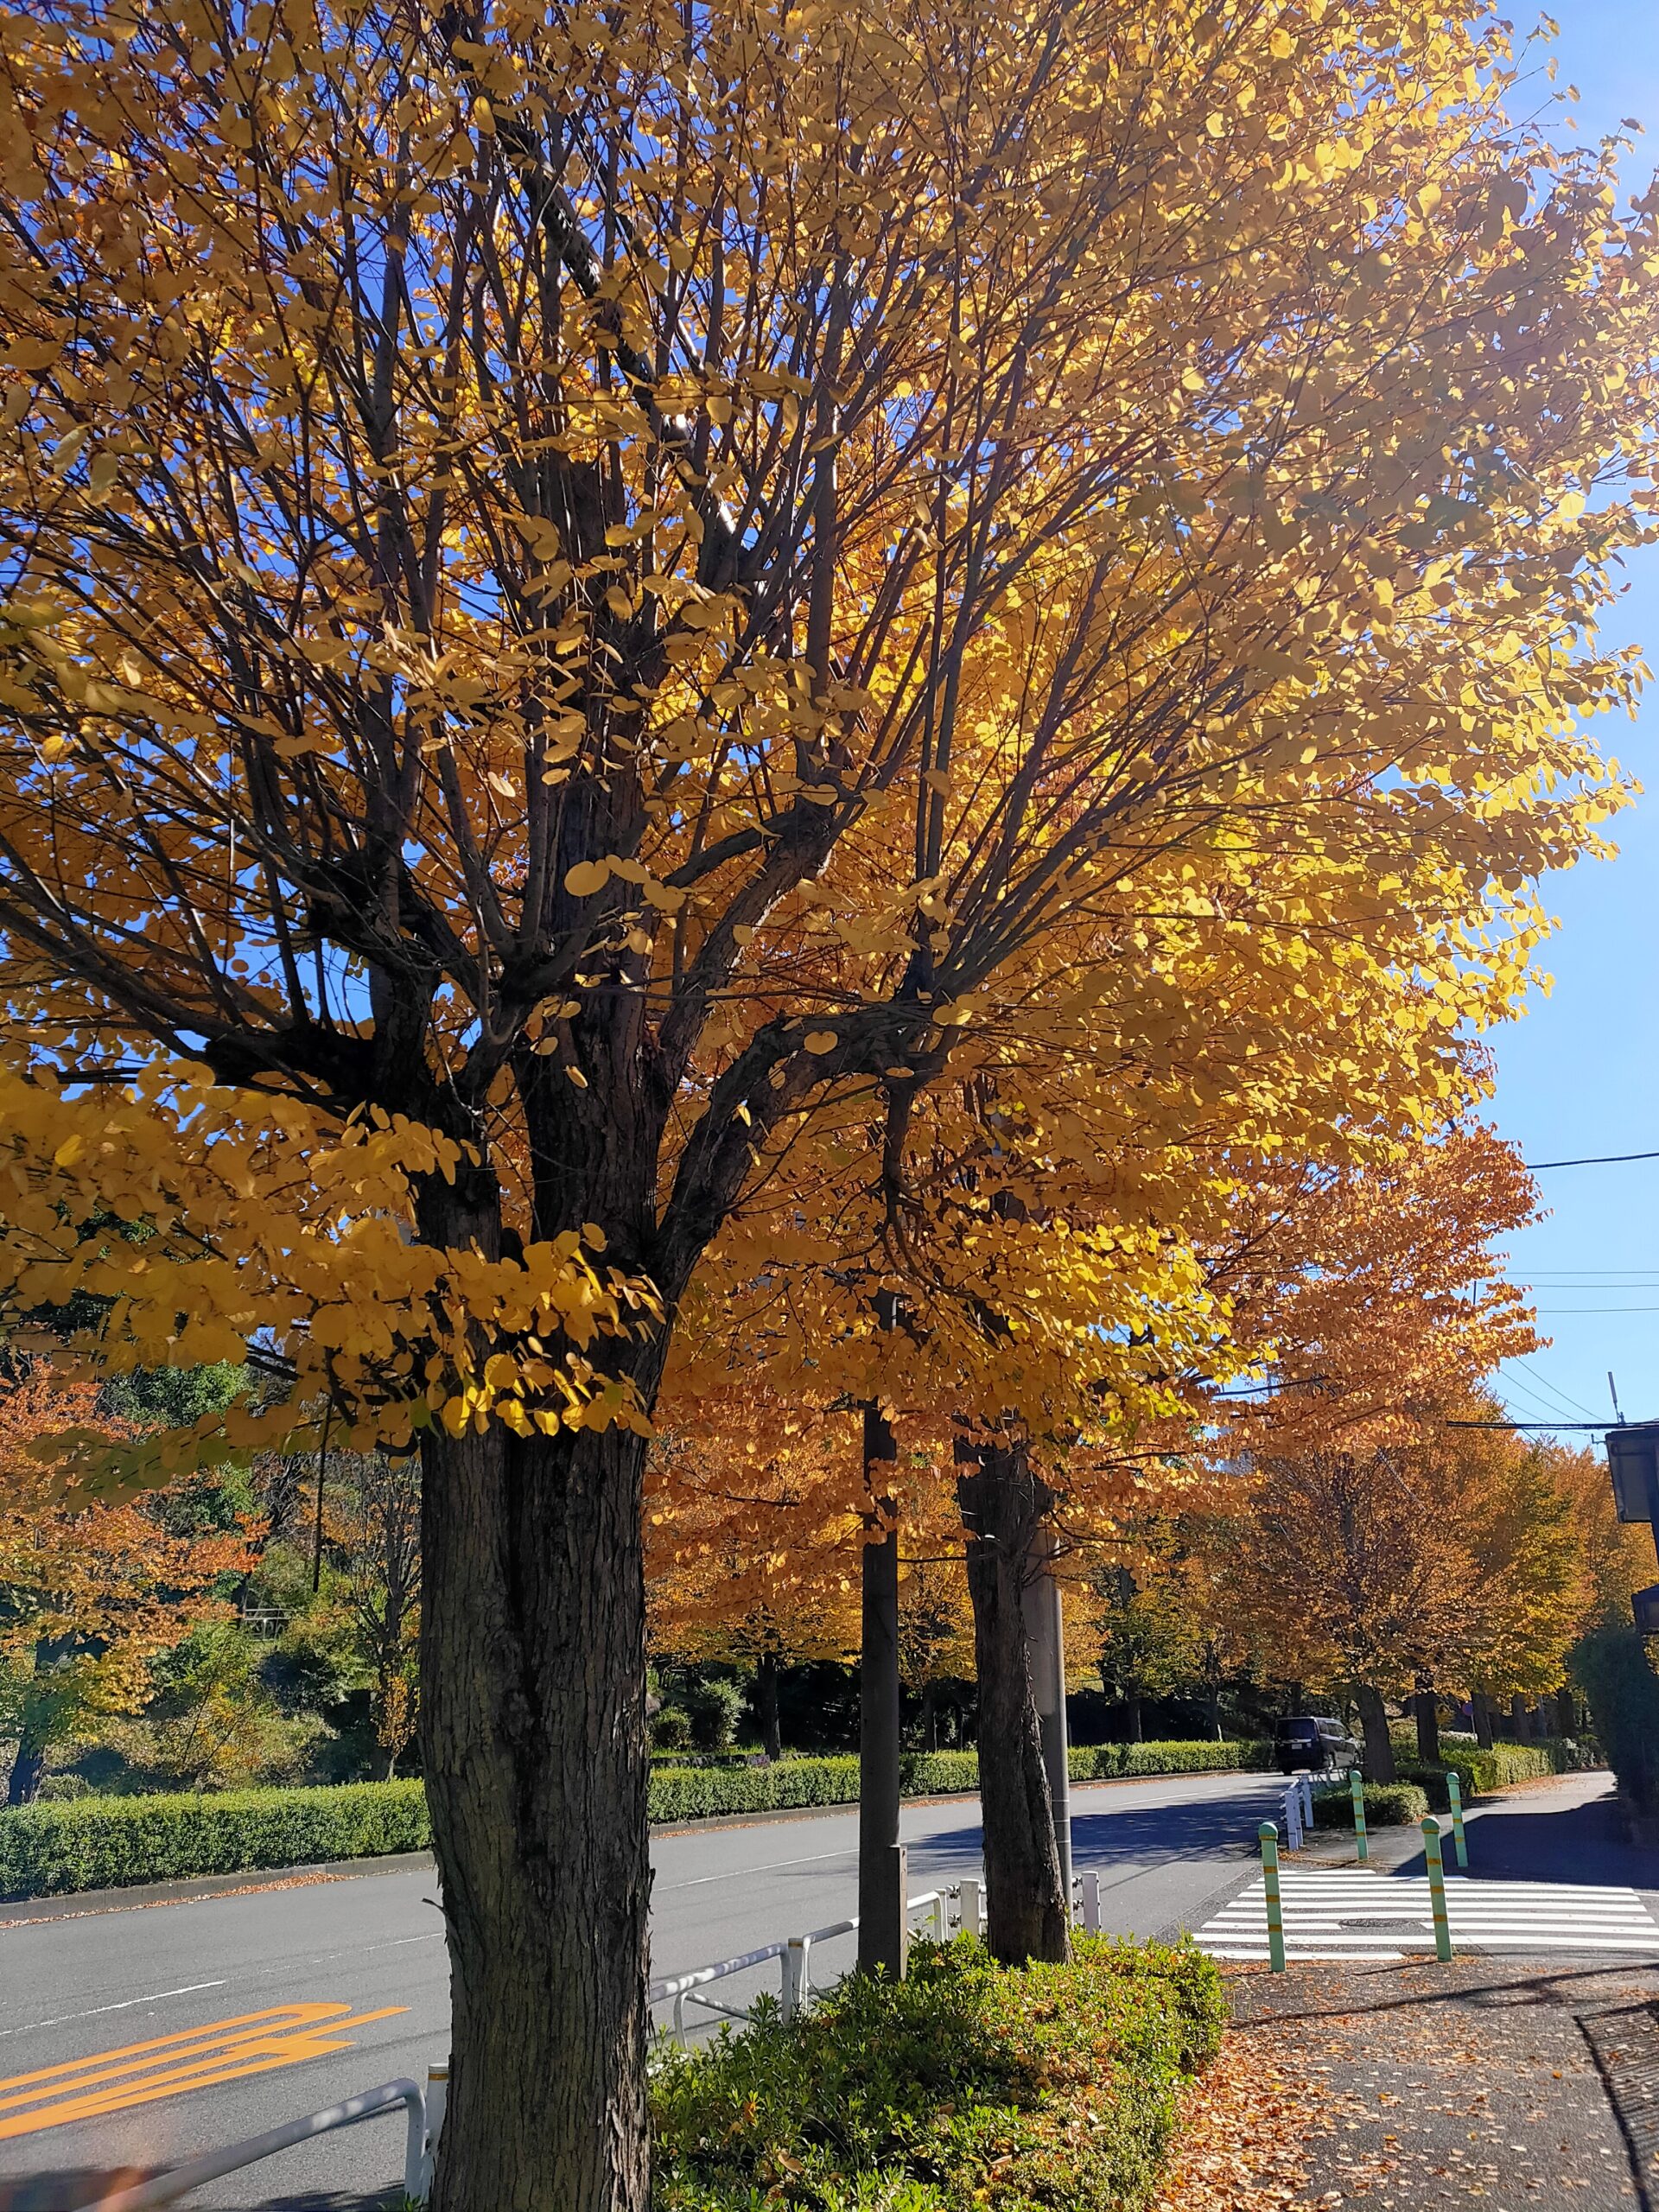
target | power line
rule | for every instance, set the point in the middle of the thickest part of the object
(1598, 1160)
(1596, 1309)
(1600, 1428)
(1563, 1398)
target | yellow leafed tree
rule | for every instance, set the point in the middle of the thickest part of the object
(588, 590)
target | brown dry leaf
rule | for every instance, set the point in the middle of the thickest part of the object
(1247, 2120)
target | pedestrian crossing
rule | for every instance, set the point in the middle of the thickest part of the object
(1386, 1916)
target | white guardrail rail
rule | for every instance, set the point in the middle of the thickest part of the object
(958, 1905)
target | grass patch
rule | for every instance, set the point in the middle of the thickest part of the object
(964, 2086)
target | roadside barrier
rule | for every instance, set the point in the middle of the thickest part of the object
(391, 2096)
(795, 1955)
(1269, 1834)
(1356, 1784)
(1297, 1812)
(1454, 1792)
(1437, 1890)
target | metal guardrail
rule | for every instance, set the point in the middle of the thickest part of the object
(795, 1954)
(179, 2181)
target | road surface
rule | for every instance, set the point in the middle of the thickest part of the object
(350, 1974)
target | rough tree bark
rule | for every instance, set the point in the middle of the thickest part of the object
(1379, 1745)
(765, 1704)
(1427, 1712)
(1026, 1914)
(1481, 1705)
(27, 1769)
(534, 1745)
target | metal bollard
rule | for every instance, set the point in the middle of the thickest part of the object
(1357, 1784)
(794, 1977)
(437, 2095)
(1269, 1835)
(1437, 1891)
(1454, 1791)
(1091, 1904)
(972, 1920)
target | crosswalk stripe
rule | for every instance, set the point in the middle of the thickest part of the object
(1326, 1916)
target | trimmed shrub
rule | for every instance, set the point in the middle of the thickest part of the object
(1105, 1762)
(1610, 1667)
(965, 2084)
(1479, 1771)
(95, 1843)
(1387, 1805)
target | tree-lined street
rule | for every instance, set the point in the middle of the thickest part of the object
(253, 1979)
(79, 1982)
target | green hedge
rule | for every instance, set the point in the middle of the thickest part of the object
(1479, 1771)
(1610, 1666)
(964, 2085)
(1387, 1805)
(95, 1843)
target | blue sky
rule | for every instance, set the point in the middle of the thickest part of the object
(1580, 1074)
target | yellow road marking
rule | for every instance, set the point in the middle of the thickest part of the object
(140, 2073)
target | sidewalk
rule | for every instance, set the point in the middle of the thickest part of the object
(1500, 2082)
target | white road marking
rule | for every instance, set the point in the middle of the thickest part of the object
(1381, 1916)
(187, 1989)
(736, 1873)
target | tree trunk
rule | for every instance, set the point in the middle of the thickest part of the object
(1426, 1711)
(27, 1767)
(1026, 1915)
(765, 1704)
(532, 1725)
(1132, 1715)
(1379, 1745)
(881, 1920)
(1481, 1707)
(1518, 1720)
(930, 1716)
(1566, 1712)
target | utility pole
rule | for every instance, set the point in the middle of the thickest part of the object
(883, 1885)
(1045, 1642)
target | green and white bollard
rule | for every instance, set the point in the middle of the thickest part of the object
(1437, 1891)
(1454, 1791)
(1357, 1784)
(1269, 1835)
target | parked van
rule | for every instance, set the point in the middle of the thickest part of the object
(1313, 1740)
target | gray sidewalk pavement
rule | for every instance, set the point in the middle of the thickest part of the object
(1498, 2081)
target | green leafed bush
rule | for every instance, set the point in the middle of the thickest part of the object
(1610, 1666)
(966, 2083)
(1478, 1771)
(1387, 1805)
(95, 1843)
(1105, 1762)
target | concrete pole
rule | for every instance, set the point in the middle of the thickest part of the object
(881, 1923)
(1046, 1645)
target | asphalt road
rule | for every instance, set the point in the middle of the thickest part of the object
(288, 1994)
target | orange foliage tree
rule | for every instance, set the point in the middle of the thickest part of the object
(589, 593)
(89, 1593)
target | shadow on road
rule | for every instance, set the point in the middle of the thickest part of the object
(66, 2188)
(1140, 1836)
